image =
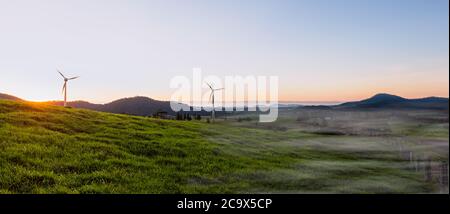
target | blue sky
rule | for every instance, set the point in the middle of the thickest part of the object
(321, 50)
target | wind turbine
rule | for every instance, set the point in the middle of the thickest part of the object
(211, 99)
(64, 89)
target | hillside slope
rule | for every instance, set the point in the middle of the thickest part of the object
(8, 97)
(51, 149)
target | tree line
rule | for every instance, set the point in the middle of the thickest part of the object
(187, 116)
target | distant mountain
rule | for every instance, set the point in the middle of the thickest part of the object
(78, 104)
(139, 106)
(389, 101)
(9, 97)
(142, 106)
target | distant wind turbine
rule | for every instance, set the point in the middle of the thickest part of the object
(211, 99)
(64, 89)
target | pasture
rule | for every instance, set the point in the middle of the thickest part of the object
(49, 149)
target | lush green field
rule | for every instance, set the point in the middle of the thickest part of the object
(47, 149)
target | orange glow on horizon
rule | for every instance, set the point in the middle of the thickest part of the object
(338, 96)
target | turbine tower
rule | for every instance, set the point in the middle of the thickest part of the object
(211, 99)
(64, 89)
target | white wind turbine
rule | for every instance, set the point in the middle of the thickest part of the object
(64, 89)
(211, 99)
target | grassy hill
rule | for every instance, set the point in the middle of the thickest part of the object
(50, 149)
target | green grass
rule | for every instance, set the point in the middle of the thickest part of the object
(48, 149)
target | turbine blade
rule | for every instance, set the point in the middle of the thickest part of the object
(64, 87)
(211, 95)
(218, 89)
(61, 74)
(209, 86)
(72, 78)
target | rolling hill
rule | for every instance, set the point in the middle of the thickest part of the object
(47, 148)
(388, 101)
(8, 97)
(138, 106)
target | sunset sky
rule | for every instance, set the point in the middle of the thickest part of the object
(321, 50)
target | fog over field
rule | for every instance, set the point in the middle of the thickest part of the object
(413, 142)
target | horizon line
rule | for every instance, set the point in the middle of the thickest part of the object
(244, 101)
